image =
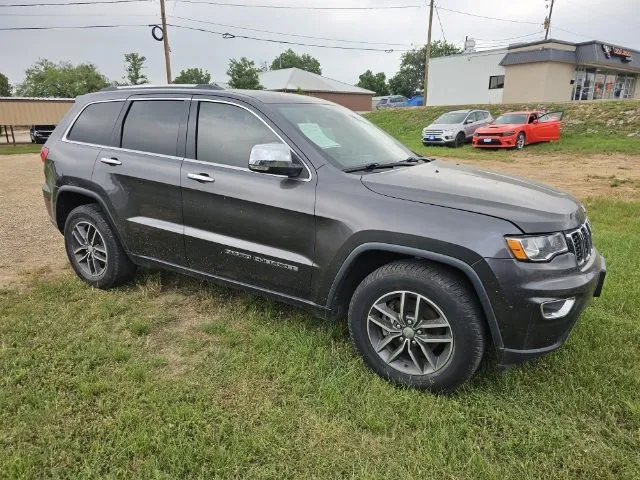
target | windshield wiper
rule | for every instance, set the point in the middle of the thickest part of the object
(418, 158)
(407, 162)
(370, 166)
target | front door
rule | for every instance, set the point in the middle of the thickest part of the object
(140, 177)
(549, 126)
(240, 225)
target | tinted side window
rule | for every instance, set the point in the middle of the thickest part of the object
(226, 134)
(152, 126)
(473, 117)
(95, 123)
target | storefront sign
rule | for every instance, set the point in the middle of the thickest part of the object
(610, 51)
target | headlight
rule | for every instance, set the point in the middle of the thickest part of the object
(448, 133)
(537, 249)
(508, 134)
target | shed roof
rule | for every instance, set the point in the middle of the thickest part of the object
(292, 79)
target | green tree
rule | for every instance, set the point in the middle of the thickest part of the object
(243, 73)
(195, 76)
(409, 78)
(5, 87)
(377, 82)
(133, 65)
(48, 79)
(290, 59)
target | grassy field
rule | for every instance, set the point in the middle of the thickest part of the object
(20, 148)
(587, 128)
(171, 378)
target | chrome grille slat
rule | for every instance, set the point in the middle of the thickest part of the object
(580, 242)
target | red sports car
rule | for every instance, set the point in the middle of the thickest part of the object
(517, 129)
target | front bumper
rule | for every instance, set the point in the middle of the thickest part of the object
(437, 139)
(494, 141)
(521, 288)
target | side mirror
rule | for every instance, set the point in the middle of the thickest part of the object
(468, 121)
(535, 121)
(273, 158)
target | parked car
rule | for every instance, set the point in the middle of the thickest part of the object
(305, 201)
(392, 101)
(455, 128)
(40, 133)
(517, 129)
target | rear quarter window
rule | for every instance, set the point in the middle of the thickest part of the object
(95, 123)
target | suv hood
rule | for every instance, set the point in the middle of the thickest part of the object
(442, 126)
(533, 207)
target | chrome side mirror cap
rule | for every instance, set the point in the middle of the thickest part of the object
(275, 159)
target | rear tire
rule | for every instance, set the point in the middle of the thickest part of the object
(93, 249)
(438, 349)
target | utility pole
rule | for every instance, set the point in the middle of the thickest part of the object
(547, 22)
(165, 41)
(428, 55)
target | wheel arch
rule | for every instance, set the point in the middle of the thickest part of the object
(69, 197)
(349, 276)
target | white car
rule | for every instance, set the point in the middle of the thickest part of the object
(455, 128)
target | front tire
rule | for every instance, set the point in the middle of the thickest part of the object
(418, 325)
(93, 249)
(459, 141)
(521, 141)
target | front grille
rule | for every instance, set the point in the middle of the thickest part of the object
(496, 134)
(432, 132)
(580, 242)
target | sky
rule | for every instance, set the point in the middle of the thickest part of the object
(613, 21)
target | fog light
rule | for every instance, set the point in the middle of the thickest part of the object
(557, 308)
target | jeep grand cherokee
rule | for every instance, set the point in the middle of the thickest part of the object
(304, 201)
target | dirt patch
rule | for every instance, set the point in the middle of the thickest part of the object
(28, 240)
(616, 176)
(29, 243)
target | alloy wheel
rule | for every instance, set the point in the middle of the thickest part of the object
(520, 142)
(410, 333)
(89, 249)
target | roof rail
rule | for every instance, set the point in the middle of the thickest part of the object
(211, 86)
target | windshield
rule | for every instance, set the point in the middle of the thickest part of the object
(345, 138)
(451, 118)
(516, 118)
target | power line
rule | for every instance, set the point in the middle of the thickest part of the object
(70, 27)
(297, 7)
(51, 4)
(483, 16)
(227, 35)
(440, 22)
(292, 34)
(508, 38)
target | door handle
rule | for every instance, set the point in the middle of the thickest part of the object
(111, 161)
(200, 177)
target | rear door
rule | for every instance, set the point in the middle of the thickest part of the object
(549, 126)
(249, 227)
(140, 176)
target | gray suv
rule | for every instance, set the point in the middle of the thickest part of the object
(306, 202)
(455, 128)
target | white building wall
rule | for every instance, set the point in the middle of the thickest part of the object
(464, 79)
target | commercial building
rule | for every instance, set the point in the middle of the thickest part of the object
(296, 80)
(543, 71)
